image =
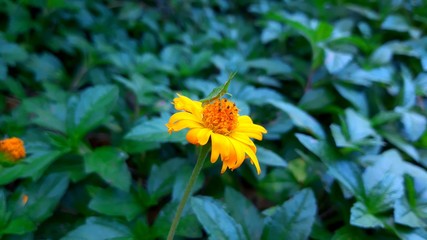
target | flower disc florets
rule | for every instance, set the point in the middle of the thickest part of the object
(220, 116)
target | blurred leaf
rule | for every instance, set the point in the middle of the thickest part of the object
(162, 178)
(361, 217)
(396, 23)
(349, 233)
(414, 125)
(42, 199)
(300, 118)
(271, 66)
(349, 175)
(320, 148)
(32, 166)
(270, 158)
(397, 140)
(215, 220)
(48, 115)
(411, 210)
(46, 67)
(154, 131)
(110, 164)
(99, 228)
(382, 189)
(91, 109)
(245, 213)
(408, 89)
(12, 53)
(359, 128)
(293, 219)
(115, 203)
(181, 179)
(188, 225)
(335, 61)
(316, 99)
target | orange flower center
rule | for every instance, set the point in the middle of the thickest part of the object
(13, 148)
(220, 116)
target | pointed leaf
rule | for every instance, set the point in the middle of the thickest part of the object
(215, 220)
(244, 212)
(292, 220)
(109, 163)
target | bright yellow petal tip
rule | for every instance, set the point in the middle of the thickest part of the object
(218, 121)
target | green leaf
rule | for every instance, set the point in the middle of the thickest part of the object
(316, 100)
(293, 219)
(359, 128)
(396, 23)
(361, 217)
(12, 53)
(414, 125)
(181, 179)
(411, 210)
(349, 233)
(335, 61)
(408, 94)
(99, 228)
(215, 220)
(154, 131)
(270, 66)
(109, 163)
(188, 226)
(162, 179)
(219, 91)
(32, 166)
(320, 148)
(19, 225)
(91, 109)
(45, 66)
(349, 175)
(115, 203)
(300, 118)
(399, 142)
(270, 158)
(48, 115)
(382, 189)
(244, 212)
(43, 197)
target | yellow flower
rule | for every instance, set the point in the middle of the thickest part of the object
(219, 121)
(12, 148)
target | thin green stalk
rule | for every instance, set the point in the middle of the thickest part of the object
(200, 161)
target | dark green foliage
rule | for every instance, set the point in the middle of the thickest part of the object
(340, 86)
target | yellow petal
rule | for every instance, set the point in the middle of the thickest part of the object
(204, 135)
(192, 135)
(254, 159)
(245, 119)
(220, 146)
(215, 147)
(244, 127)
(186, 104)
(239, 152)
(241, 137)
(184, 116)
(178, 126)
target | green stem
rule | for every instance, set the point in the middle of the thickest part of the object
(200, 161)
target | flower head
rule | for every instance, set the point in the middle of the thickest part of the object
(12, 148)
(220, 122)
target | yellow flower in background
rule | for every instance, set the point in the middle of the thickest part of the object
(12, 148)
(219, 121)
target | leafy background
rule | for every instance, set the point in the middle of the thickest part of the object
(340, 86)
